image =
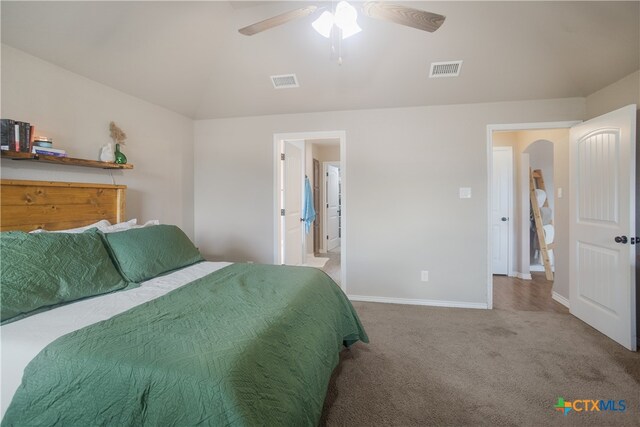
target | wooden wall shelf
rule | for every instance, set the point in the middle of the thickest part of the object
(70, 161)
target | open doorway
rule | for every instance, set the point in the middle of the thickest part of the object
(524, 235)
(543, 148)
(594, 267)
(324, 242)
(310, 201)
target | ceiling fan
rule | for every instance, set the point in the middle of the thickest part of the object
(342, 19)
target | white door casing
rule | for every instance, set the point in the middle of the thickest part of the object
(292, 172)
(501, 203)
(332, 205)
(602, 207)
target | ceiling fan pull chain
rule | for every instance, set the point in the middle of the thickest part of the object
(340, 48)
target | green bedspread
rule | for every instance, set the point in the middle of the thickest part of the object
(246, 345)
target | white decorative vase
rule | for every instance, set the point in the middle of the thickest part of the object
(107, 153)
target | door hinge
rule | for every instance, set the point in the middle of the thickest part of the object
(282, 212)
(327, 237)
(327, 173)
(281, 156)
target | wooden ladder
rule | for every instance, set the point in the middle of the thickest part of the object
(536, 181)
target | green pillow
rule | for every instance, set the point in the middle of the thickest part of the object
(42, 270)
(143, 253)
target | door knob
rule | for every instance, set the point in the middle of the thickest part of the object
(621, 239)
(504, 218)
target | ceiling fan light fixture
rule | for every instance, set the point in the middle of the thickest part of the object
(345, 18)
(323, 24)
(345, 14)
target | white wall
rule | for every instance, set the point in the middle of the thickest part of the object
(623, 92)
(403, 168)
(76, 112)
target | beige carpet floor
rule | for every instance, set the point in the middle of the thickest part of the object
(428, 366)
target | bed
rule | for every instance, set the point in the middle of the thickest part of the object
(205, 343)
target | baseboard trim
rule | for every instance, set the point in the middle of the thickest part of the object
(540, 268)
(523, 276)
(559, 298)
(407, 301)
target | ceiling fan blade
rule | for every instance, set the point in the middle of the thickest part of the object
(403, 15)
(277, 20)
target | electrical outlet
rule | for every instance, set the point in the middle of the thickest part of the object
(465, 192)
(424, 276)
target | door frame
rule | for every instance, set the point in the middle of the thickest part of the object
(325, 248)
(511, 228)
(489, 153)
(341, 135)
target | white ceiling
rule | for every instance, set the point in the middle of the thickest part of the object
(189, 57)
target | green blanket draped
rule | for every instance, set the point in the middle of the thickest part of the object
(246, 345)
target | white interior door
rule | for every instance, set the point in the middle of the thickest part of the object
(501, 200)
(602, 224)
(333, 206)
(292, 202)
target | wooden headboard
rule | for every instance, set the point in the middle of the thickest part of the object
(28, 205)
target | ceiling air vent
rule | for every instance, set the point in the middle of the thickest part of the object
(445, 69)
(284, 81)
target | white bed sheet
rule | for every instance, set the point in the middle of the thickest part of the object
(21, 341)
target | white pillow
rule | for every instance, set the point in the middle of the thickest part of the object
(148, 223)
(121, 226)
(99, 225)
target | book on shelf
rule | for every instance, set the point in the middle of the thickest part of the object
(50, 149)
(15, 135)
(32, 131)
(25, 136)
(46, 151)
(7, 134)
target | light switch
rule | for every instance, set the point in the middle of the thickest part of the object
(559, 192)
(465, 192)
